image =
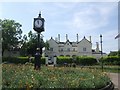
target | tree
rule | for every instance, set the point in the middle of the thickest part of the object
(23, 50)
(31, 45)
(114, 53)
(47, 45)
(11, 34)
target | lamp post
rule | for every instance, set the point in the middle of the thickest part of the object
(38, 26)
(101, 52)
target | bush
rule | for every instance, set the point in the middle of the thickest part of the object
(62, 60)
(78, 60)
(111, 60)
(21, 60)
(86, 61)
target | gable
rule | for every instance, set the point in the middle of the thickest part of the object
(67, 43)
(84, 41)
(52, 42)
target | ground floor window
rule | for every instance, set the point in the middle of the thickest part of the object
(84, 49)
(51, 49)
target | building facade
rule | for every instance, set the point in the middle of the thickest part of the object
(78, 48)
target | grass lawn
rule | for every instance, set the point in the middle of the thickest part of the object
(24, 76)
(106, 68)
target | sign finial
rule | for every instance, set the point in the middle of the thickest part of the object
(39, 14)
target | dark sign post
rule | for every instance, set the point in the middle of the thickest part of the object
(38, 26)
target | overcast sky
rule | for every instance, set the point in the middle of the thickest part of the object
(85, 18)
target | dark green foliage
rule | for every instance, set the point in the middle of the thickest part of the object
(78, 60)
(62, 60)
(86, 61)
(29, 46)
(11, 34)
(115, 53)
(111, 60)
(20, 60)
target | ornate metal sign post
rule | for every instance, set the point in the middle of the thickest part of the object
(38, 26)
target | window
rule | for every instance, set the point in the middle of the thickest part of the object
(51, 49)
(84, 49)
(61, 49)
(73, 49)
(68, 49)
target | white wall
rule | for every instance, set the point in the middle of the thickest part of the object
(84, 44)
(66, 46)
(53, 45)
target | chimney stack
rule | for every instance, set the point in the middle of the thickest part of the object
(58, 37)
(97, 47)
(77, 38)
(66, 37)
(90, 38)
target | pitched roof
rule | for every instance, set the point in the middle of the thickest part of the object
(53, 40)
(72, 43)
(84, 39)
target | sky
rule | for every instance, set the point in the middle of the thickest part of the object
(83, 18)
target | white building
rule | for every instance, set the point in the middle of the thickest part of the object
(78, 48)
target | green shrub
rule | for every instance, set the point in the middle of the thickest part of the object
(21, 60)
(62, 60)
(15, 60)
(78, 60)
(111, 60)
(86, 60)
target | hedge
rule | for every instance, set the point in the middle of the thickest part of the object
(111, 60)
(78, 60)
(21, 60)
(86, 60)
(62, 60)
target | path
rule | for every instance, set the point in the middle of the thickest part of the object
(115, 78)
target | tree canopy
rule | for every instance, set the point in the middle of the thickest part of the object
(114, 53)
(12, 38)
(30, 46)
(11, 34)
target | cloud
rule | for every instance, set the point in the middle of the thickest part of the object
(66, 5)
(92, 17)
